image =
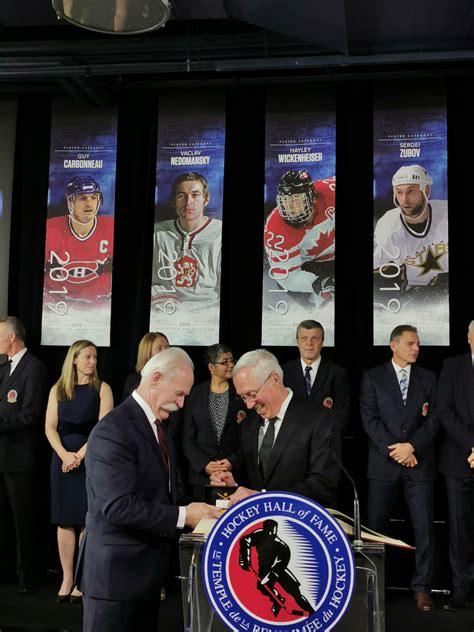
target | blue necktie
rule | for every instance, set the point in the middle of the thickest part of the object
(307, 380)
(403, 380)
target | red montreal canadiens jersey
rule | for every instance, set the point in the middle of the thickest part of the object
(80, 265)
(289, 247)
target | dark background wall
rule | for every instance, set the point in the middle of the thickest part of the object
(242, 237)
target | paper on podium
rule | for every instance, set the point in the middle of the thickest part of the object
(366, 534)
(204, 526)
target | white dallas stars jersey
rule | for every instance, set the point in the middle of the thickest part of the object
(289, 247)
(424, 255)
(187, 266)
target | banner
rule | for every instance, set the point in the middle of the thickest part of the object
(7, 157)
(300, 207)
(411, 282)
(80, 226)
(187, 238)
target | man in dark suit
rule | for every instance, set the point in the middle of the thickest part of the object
(133, 510)
(23, 391)
(284, 444)
(397, 403)
(317, 379)
(456, 415)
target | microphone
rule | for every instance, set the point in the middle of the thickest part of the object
(357, 537)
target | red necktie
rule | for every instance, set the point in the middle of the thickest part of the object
(163, 444)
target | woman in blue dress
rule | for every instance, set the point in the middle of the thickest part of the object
(76, 402)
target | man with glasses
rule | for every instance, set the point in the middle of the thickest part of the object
(284, 443)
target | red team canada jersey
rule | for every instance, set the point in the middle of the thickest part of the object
(80, 265)
(289, 247)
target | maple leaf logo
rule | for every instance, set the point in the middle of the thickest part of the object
(324, 241)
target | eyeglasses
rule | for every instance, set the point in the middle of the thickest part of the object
(226, 362)
(252, 395)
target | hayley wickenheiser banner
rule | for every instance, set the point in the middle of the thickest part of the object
(411, 282)
(7, 156)
(299, 207)
(187, 238)
(80, 226)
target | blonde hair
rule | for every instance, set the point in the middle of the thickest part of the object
(144, 348)
(67, 381)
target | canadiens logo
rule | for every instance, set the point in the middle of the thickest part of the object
(186, 271)
(79, 271)
(278, 562)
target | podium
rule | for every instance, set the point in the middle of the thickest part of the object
(366, 611)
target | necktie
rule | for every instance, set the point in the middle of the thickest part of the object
(307, 380)
(265, 451)
(403, 380)
(163, 444)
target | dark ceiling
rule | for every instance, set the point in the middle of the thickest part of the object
(221, 40)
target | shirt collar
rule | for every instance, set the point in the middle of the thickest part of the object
(16, 359)
(314, 365)
(150, 415)
(282, 412)
(399, 368)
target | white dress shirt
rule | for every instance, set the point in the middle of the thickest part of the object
(314, 369)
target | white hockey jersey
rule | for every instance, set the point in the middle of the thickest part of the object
(424, 256)
(187, 266)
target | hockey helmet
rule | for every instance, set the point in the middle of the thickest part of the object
(295, 196)
(412, 174)
(81, 185)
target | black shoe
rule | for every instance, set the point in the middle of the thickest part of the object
(276, 609)
(62, 598)
(25, 583)
(458, 601)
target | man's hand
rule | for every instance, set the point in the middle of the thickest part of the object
(470, 458)
(197, 511)
(401, 452)
(240, 494)
(411, 462)
(222, 479)
(214, 467)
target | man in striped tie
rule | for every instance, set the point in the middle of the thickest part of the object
(397, 403)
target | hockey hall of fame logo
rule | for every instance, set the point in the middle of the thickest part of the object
(278, 562)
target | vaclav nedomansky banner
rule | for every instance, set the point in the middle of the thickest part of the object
(411, 282)
(80, 226)
(300, 207)
(187, 239)
(7, 156)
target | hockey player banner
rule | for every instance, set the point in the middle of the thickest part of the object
(7, 155)
(187, 235)
(300, 207)
(80, 226)
(411, 217)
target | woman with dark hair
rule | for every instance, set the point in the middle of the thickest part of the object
(152, 343)
(76, 402)
(212, 414)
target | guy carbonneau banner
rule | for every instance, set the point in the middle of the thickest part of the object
(411, 217)
(300, 207)
(187, 239)
(7, 155)
(80, 226)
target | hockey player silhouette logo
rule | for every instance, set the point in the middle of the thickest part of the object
(278, 562)
(274, 580)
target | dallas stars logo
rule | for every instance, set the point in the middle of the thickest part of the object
(431, 262)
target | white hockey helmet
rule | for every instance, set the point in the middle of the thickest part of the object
(412, 174)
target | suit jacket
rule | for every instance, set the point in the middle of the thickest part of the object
(301, 460)
(199, 439)
(387, 421)
(331, 382)
(132, 512)
(456, 415)
(22, 404)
